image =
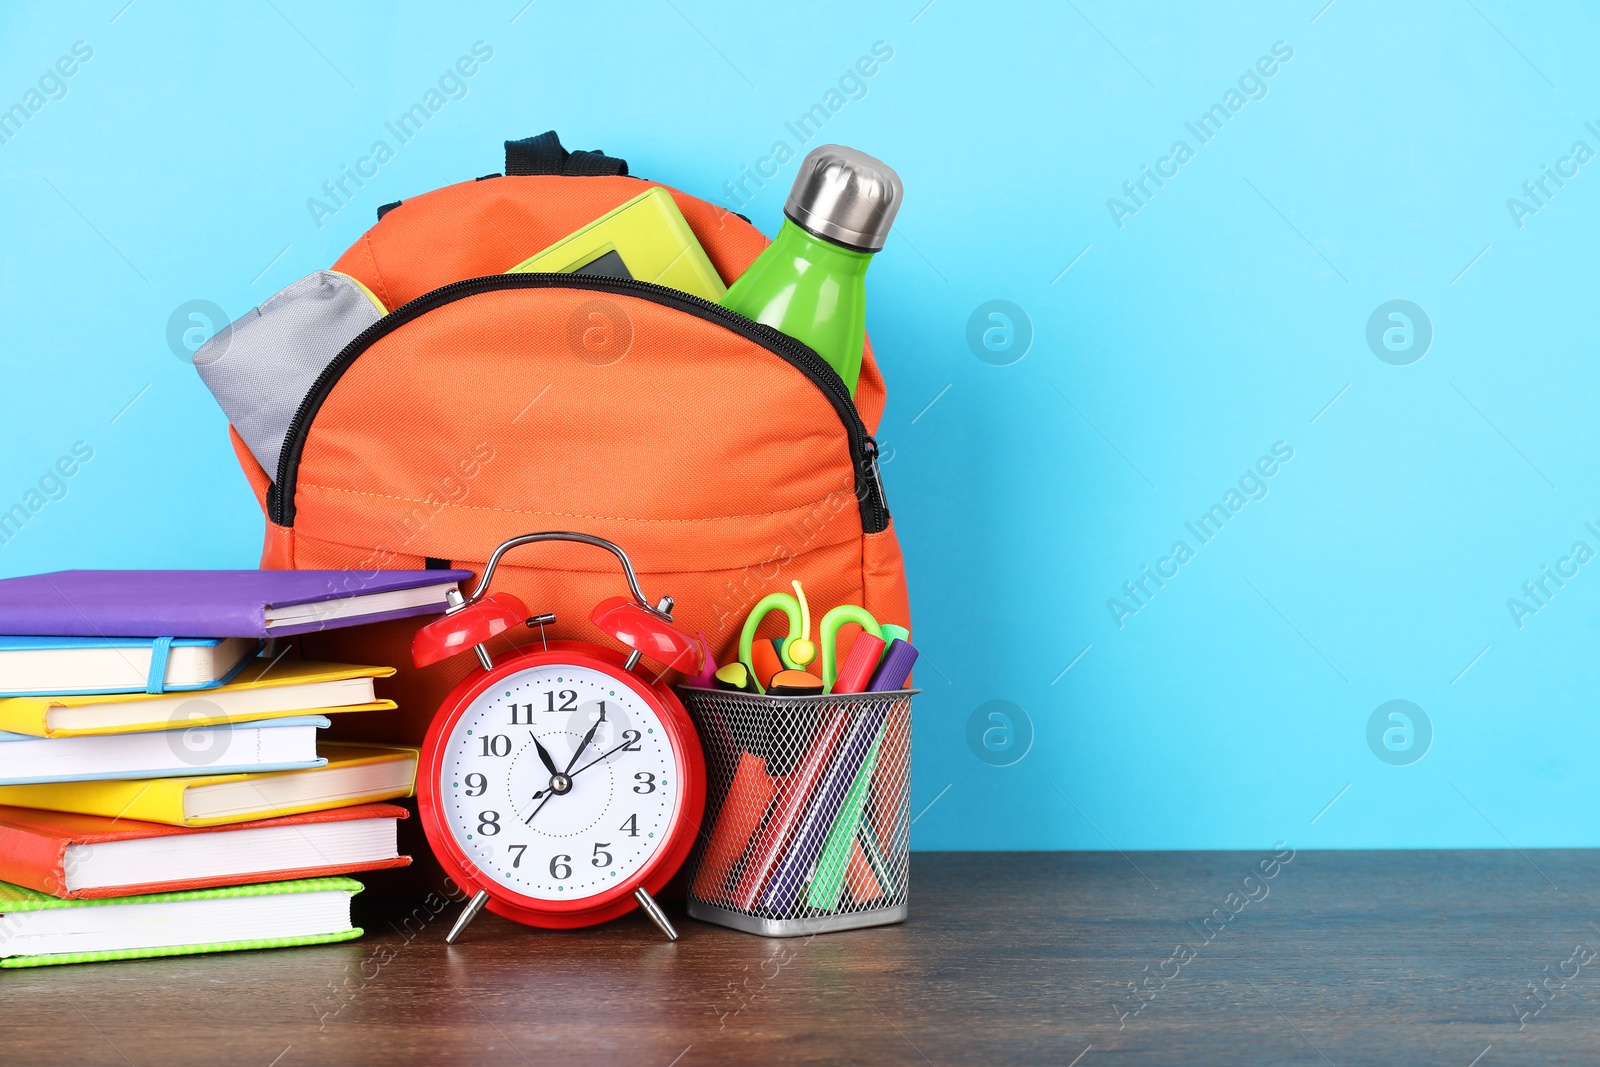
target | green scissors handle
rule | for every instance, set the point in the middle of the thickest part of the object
(828, 636)
(783, 602)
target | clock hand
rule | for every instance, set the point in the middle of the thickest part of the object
(544, 757)
(561, 781)
(549, 764)
(599, 759)
(547, 795)
(586, 739)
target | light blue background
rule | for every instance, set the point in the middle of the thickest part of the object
(1223, 317)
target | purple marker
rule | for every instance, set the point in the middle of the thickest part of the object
(895, 668)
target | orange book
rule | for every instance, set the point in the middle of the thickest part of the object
(69, 855)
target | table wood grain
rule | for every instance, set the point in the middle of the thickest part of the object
(1338, 958)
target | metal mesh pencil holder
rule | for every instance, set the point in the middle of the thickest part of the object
(808, 811)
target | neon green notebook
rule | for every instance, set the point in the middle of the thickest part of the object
(647, 239)
(38, 930)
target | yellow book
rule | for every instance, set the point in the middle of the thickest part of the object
(264, 690)
(355, 774)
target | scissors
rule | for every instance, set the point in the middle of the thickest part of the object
(797, 650)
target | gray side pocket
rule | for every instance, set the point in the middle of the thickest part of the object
(261, 365)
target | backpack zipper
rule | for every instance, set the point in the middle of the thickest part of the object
(863, 448)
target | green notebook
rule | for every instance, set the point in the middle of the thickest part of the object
(37, 930)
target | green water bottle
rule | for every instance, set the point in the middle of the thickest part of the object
(810, 283)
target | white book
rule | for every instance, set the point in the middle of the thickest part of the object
(36, 929)
(308, 696)
(32, 666)
(267, 745)
(229, 853)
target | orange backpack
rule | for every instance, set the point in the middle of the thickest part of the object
(726, 458)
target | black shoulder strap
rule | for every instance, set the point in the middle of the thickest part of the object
(544, 155)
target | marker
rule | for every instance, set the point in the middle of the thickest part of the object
(790, 683)
(736, 676)
(737, 822)
(855, 673)
(895, 668)
(708, 665)
(860, 877)
(868, 843)
(764, 663)
(893, 632)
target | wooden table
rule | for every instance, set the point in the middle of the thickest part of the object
(1338, 958)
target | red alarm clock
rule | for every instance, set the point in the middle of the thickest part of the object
(561, 783)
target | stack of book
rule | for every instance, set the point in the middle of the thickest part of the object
(166, 795)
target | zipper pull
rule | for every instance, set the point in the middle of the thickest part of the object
(880, 504)
(872, 462)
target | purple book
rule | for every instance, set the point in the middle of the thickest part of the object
(214, 603)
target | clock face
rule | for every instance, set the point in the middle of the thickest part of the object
(579, 832)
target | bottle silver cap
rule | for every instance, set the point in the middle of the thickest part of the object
(846, 196)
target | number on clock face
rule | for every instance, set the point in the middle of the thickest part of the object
(517, 823)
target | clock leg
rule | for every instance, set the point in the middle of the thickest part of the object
(652, 909)
(468, 913)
